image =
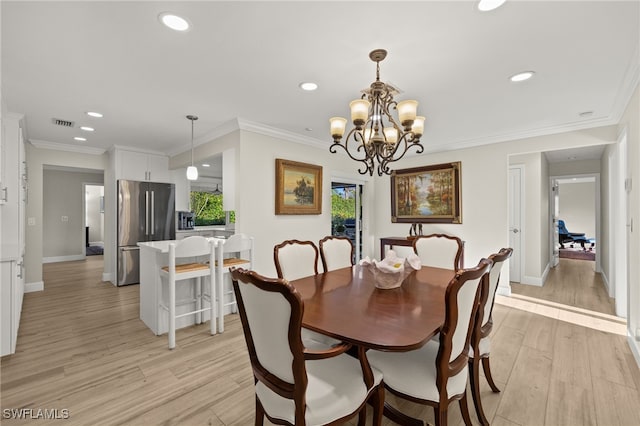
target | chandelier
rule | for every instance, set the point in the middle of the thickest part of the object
(376, 137)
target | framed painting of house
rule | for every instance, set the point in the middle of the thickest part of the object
(429, 194)
(298, 187)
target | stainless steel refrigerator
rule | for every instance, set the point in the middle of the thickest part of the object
(146, 212)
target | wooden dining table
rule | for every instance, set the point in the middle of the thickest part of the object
(346, 304)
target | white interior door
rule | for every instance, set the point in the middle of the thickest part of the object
(555, 211)
(515, 222)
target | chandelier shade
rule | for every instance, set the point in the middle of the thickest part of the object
(192, 171)
(377, 139)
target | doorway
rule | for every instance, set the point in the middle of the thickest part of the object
(346, 213)
(575, 202)
(93, 219)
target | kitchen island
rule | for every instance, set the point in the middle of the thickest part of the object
(153, 256)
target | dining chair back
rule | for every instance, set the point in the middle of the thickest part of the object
(295, 259)
(192, 257)
(439, 250)
(481, 341)
(437, 373)
(295, 385)
(235, 251)
(336, 252)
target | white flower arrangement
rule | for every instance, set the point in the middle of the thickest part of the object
(391, 271)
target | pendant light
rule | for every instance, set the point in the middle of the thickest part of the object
(192, 171)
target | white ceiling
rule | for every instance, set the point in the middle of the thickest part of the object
(244, 60)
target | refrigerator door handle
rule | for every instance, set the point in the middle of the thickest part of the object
(153, 212)
(146, 212)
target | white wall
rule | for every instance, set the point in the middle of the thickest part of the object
(255, 198)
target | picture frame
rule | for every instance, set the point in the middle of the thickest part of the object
(298, 187)
(429, 194)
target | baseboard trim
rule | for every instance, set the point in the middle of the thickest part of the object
(32, 287)
(635, 347)
(536, 281)
(56, 259)
(605, 280)
(107, 276)
(504, 291)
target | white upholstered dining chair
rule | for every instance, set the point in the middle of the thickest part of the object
(481, 339)
(439, 250)
(437, 373)
(336, 252)
(297, 259)
(192, 257)
(295, 385)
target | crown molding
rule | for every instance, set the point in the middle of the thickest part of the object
(134, 149)
(15, 115)
(507, 137)
(263, 129)
(628, 85)
(65, 147)
(249, 126)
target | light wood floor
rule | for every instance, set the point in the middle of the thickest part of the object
(81, 347)
(572, 282)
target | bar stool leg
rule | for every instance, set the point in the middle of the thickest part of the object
(172, 313)
(198, 291)
(212, 303)
(220, 286)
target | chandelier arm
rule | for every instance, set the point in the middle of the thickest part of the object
(409, 141)
(352, 136)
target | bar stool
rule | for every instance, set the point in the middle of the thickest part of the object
(236, 251)
(188, 250)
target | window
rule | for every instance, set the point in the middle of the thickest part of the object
(207, 209)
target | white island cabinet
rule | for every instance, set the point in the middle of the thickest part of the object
(153, 256)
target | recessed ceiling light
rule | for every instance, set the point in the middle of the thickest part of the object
(308, 86)
(87, 128)
(487, 5)
(174, 21)
(206, 165)
(586, 114)
(309, 129)
(94, 114)
(79, 139)
(521, 76)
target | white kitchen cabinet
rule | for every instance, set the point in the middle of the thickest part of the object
(11, 294)
(142, 166)
(12, 224)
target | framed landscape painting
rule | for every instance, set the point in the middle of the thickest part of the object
(429, 194)
(298, 187)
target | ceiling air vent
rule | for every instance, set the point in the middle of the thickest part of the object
(63, 123)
